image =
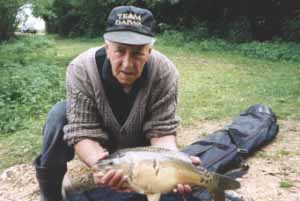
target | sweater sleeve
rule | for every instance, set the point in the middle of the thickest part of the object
(82, 113)
(161, 118)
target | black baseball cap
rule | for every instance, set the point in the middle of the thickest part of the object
(130, 25)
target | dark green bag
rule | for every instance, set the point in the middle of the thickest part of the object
(226, 149)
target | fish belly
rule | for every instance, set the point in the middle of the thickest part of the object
(160, 176)
(151, 179)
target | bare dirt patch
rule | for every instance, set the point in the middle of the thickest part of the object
(274, 173)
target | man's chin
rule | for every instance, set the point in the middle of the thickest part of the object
(126, 84)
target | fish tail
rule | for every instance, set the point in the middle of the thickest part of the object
(227, 183)
(218, 195)
(223, 183)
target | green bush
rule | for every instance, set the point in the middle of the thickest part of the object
(193, 41)
(275, 50)
(198, 31)
(239, 30)
(214, 44)
(172, 37)
(291, 28)
(30, 83)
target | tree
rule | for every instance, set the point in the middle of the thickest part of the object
(8, 21)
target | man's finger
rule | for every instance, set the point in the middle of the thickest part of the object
(195, 160)
(187, 188)
(121, 182)
(180, 188)
(107, 177)
(127, 190)
(103, 155)
(116, 178)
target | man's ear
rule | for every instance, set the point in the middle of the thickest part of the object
(150, 50)
(106, 46)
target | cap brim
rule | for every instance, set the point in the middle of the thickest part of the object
(128, 37)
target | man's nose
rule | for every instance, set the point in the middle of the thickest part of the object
(127, 61)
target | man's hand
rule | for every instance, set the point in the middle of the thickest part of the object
(114, 179)
(90, 152)
(183, 188)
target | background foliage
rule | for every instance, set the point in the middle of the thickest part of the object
(8, 12)
(30, 82)
(219, 79)
(238, 20)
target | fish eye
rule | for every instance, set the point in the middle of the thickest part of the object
(109, 162)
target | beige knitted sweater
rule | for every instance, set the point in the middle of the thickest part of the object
(89, 115)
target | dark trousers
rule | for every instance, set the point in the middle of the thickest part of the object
(55, 151)
(51, 164)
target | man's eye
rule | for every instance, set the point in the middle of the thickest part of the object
(119, 51)
(139, 54)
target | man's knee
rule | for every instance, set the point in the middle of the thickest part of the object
(58, 113)
(53, 129)
(55, 151)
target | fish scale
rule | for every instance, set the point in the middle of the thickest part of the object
(152, 171)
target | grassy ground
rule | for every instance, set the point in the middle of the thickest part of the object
(216, 83)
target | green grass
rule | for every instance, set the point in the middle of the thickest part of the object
(22, 146)
(218, 80)
(282, 152)
(220, 84)
(286, 184)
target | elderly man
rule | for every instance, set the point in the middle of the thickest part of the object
(123, 94)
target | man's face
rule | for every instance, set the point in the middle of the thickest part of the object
(127, 61)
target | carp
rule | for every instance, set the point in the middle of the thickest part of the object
(151, 171)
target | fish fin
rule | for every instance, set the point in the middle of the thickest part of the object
(153, 197)
(66, 183)
(63, 193)
(218, 196)
(84, 183)
(227, 183)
